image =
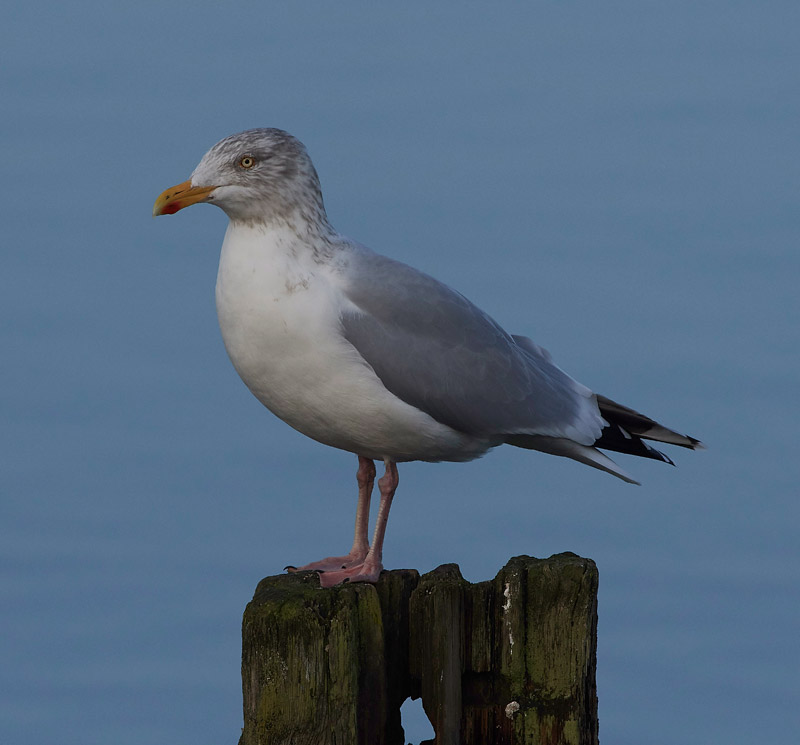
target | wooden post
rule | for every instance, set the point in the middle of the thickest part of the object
(509, 661)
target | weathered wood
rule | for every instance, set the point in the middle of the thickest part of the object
(510, 661)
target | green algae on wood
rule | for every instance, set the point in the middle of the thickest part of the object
(509, 661)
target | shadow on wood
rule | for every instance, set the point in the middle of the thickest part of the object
(509, 661)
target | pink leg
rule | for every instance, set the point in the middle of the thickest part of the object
(370, 569)
(366, 480)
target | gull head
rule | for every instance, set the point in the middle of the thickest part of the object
(257, 176)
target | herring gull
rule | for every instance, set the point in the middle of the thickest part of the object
(363, 353)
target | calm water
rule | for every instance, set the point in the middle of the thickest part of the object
(619, 182)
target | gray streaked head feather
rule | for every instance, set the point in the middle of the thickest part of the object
(282, 185)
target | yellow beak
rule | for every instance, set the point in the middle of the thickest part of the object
(180, 196)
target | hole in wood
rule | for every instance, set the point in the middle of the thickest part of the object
(416, 725)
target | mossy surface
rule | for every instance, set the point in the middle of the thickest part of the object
(508, 661)
(308, 657)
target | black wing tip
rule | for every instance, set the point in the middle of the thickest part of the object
(618, 439)
(638, 425)
(692, 443)
(696, 444)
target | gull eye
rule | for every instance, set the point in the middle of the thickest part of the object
(247, 161)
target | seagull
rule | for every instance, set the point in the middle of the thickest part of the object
(364, 353)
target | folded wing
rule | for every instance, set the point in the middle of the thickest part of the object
(434, 349)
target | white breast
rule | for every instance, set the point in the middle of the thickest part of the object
(279, 313)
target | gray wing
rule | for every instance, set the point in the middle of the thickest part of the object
(434, 349)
